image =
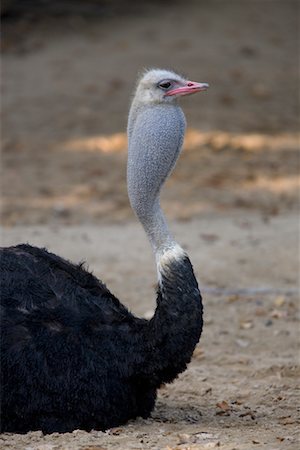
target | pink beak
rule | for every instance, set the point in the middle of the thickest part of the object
(191, 87)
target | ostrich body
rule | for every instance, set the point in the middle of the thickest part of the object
(72, 356)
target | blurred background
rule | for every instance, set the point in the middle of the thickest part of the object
(68, 72)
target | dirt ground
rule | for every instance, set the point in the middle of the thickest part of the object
(233, 199)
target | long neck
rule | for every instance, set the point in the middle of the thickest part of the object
(157, 230)
(155, 135)
(155, 139)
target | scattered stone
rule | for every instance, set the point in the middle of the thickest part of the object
(279, 301)
(184, 438)
(278, 314)
(242, 343)
(246, 324)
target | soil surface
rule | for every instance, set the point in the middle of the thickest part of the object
(242, 388)
(232, 201)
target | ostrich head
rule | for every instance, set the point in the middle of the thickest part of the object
(164, 86)
(156, 127)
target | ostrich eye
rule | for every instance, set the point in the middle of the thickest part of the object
(165, 84)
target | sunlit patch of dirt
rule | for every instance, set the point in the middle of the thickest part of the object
(85, 178)
(216, 140)
(116, 142)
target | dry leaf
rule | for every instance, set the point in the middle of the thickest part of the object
(223, 405)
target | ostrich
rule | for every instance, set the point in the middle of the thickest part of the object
(72, 356)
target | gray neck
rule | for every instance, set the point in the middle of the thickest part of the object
(157, 230)
(155, 135)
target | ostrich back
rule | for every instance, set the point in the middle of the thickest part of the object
(69, 348)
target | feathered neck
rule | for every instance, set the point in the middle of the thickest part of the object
(155, 137)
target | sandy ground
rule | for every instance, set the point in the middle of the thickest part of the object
(240, 391)
(233, 199)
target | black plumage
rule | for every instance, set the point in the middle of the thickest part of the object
(72, 356)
